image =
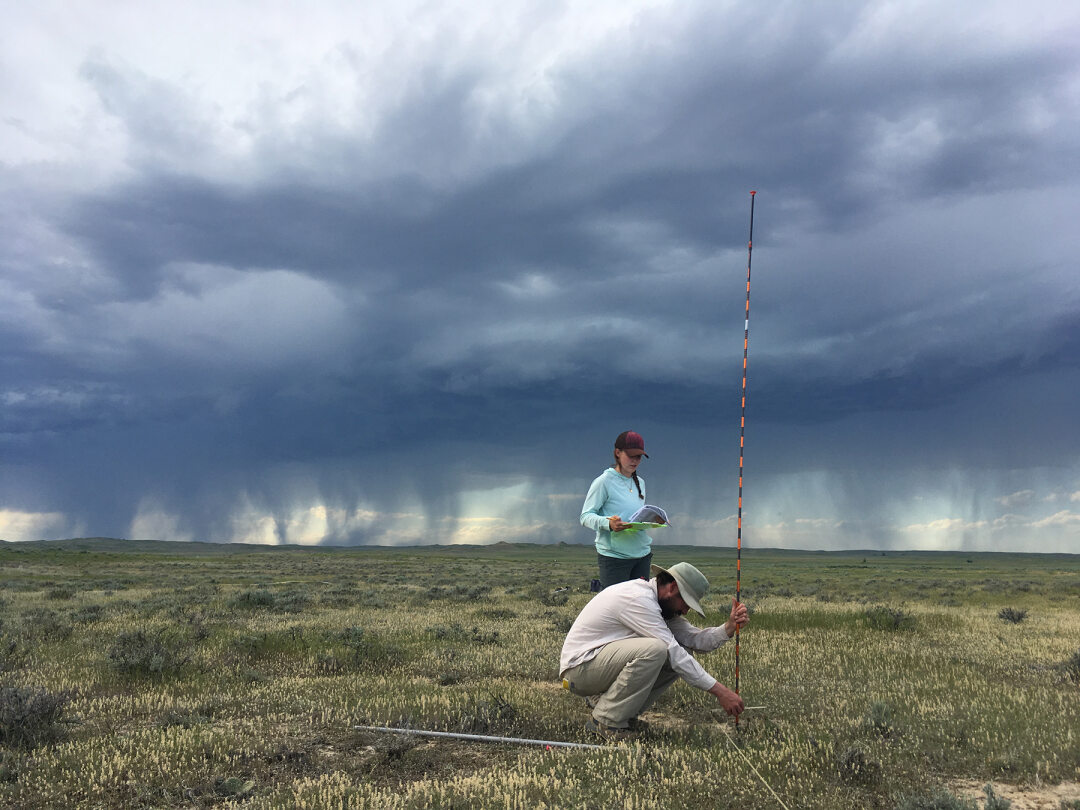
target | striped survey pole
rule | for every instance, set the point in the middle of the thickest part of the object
(742, 438)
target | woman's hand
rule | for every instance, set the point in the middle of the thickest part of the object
(616, 525)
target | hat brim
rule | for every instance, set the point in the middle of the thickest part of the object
(684, 590)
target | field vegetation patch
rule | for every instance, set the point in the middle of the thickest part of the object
(173, 675)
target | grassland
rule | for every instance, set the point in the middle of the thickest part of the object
(190, 675)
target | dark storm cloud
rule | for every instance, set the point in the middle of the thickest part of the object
(819, 138)
(397, 235)
(839, 135)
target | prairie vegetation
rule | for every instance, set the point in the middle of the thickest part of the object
(189, 675)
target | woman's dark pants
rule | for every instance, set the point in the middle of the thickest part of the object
(616, 569)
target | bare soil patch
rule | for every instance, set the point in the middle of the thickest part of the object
(1023, 797)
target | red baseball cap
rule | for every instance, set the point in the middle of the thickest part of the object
(629, 440)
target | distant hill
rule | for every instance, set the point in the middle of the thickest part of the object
(121, 546)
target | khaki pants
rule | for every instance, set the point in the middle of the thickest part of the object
(628, 675)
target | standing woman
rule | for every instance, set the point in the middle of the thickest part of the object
(616, 494)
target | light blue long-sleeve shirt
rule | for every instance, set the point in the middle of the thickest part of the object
(613, 493)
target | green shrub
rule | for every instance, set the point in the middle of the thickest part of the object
(882, 617)
(274, 642)
(291, 602)
(253, 599)
(353, 637)
(364, 651)
(993, 801)
(457, 632)
(446, 632)
(855, 766)
(1072, 666)
(491, 715)
(395, 746)
(182, 719)
(139, 654)
(110, 586)
(329, 664)
(256, 598)
(479, 636)
(9, 767)
(495, 614)
(61, 593)
(342, 596)
(30, 717)
(1012, 615)
(879, 719)
(45, 625)
(87, 614)
(552, 598)
(235, 787)
(377, 654)
(555, 598)
(12, 655)
(1009, 760)
(457, 593)
(562, 624)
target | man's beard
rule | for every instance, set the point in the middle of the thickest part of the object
(667, 608)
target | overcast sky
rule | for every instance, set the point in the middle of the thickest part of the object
(373, 272)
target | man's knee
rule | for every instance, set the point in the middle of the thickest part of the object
(655, 650)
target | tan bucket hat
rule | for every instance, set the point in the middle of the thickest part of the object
(692, 583)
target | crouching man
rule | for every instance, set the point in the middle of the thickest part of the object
(631, 642)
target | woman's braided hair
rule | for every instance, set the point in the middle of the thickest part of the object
(637, 482)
